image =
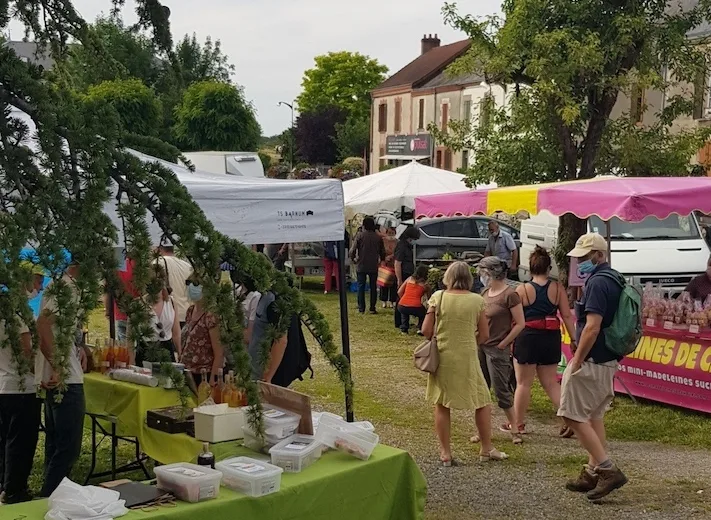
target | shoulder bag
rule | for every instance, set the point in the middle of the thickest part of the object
(427, 353)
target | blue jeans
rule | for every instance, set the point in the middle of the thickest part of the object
(64, 426)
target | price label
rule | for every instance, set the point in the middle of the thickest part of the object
(668, 325)
(693, 329)
(651, 322)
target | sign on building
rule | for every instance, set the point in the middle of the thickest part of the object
(409, 145)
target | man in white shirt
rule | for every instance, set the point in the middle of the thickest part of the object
(19, 413)
(178, 272)
(64, 421)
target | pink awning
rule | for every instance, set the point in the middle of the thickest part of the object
(630, 199)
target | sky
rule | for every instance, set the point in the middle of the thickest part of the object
(272, 42)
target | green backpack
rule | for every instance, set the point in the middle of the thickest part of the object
(625, 331)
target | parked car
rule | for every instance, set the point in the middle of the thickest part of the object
(456, 235)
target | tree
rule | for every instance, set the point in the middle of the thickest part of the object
(204, 62)
(567, 63)
(342, 79)
(352, 137)
(216, 116)
(314, 135)
(136, 105)
(61, 157)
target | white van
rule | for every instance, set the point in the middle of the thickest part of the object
(669, 252)
(243, 164)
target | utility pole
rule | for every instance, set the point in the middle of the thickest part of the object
(291, 143)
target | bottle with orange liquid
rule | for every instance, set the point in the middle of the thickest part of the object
(217, 389)
(111, 355)
(227, 390)
(235, 400)
(204, 389)
(121, 356)
(104, 357)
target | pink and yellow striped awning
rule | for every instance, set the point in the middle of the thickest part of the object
(630, 199)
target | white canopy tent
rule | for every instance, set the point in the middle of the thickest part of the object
(263, 211)
(392, 189)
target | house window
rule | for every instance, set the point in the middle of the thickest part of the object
(398, 115)
(637, 107)
(467, 115)
(448, 159)
(421, 123)
(383, 117)
(485, 107)
(445, 116)
(465, 160)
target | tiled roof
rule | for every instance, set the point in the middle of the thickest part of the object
(425, 66)
(443, 79)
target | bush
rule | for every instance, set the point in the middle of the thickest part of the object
(355, 163)
(138, 107)
(266, 160)
(278, 171)
(386, 167)
(306, 173)
(343, 173)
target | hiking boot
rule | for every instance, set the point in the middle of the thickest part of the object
(608, 480)
(586, 481)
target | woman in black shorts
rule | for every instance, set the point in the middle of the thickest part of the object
(537, 349)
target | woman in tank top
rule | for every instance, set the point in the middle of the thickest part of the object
(537, 349)
(165, 326)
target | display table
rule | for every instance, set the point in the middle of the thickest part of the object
(129, 403)
(669, 366)
(389, 486)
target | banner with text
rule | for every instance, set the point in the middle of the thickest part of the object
(667, 367)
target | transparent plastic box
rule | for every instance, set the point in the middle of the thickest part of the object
(316, 417)
(342, 436)
(279, 423)
(189, 482)
(254, 443)
(296, 453)
(249, 476)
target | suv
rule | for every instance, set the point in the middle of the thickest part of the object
(456, 235)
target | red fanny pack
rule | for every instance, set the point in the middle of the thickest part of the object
(547, 323)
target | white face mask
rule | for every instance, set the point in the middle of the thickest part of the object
(484, 280)
(32, 294)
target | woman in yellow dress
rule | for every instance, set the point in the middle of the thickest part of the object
(459, 383)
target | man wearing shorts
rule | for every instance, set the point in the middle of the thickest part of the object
(587, 387)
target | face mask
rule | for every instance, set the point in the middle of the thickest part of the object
(586, 267)
(195, 292)
(32, 294)
(484, 280)
(494, 234)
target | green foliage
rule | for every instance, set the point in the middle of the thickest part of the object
(204, 62)
(137, 106)
(216, 116)
(314, 134)
(355, 163)
(54, 187)
(266, 160)
(278, 171)
(342, 79)
(352, 137)
(565, 64)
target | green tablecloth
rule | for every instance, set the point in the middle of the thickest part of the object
(389, 486)
(129, 403)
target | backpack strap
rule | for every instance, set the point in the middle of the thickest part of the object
(612, 275)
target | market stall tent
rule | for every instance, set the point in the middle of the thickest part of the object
(396, 188)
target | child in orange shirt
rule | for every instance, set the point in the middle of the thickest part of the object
(411, 293)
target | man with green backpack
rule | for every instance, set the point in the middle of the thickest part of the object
(608, 328)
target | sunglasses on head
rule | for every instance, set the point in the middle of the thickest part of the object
(161, 332)
(191, 282)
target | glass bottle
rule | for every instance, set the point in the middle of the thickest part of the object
(206, 458)
(111, 356)
(227, 390)
(204, 389)
(217, 389)
(105, 357)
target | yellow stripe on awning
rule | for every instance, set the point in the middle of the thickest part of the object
(512, 200)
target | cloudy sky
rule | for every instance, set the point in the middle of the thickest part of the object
(272, 42)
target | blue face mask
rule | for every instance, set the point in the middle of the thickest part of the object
(586, 267)
(195, 292)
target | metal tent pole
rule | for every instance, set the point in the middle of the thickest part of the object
(343, 299)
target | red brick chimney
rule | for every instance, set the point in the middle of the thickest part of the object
(429, 43)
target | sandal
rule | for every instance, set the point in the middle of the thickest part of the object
(516, 438)
(493, 455)
(506, 428)
(449, 463)
(566, 432)
(475, 439)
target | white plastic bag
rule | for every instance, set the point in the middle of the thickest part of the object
(71, 501)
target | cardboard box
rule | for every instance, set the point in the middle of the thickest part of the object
(218, 423)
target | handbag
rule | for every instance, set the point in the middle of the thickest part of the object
(386, 276)
(427, 353)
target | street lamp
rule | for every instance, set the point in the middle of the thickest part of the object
(291, 143)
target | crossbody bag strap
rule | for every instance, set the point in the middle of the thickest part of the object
(437, 313)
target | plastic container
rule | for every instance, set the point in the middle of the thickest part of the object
(296, 453)
(340, 435)
(218, 423)
(279, 424)
(189, 482)
(249, 476)
(253, 442)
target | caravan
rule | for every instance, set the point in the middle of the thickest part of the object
(668, 252)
